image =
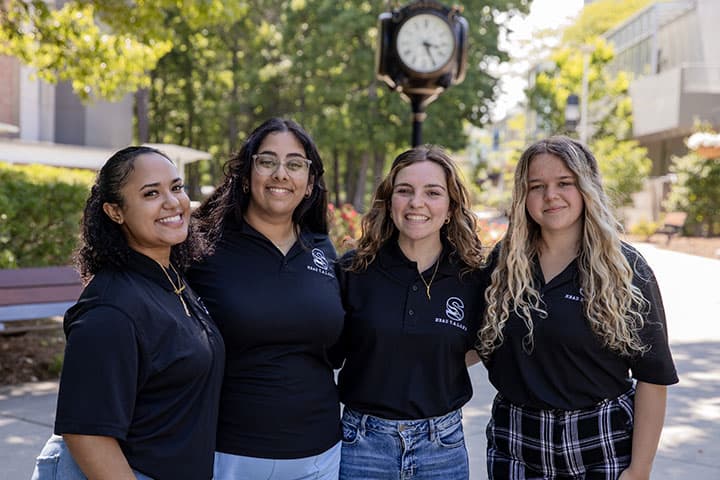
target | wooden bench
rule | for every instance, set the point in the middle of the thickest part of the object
(35, 293)
(673, 224)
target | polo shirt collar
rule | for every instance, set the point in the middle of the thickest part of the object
(392, 259)
(241, 226)
(149, 268)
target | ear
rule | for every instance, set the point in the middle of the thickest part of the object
(113, 211)
(310, 186)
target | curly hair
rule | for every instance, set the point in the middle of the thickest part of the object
(102, 241)
(613, 306)
(378, 227)
(229, 199)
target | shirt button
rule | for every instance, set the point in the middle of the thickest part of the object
(411, 312)
(414, 288)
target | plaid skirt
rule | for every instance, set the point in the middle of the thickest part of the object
(591, 444)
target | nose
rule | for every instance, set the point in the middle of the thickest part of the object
(551, 192)
(416, 201)
(170, 200)
(280, 172)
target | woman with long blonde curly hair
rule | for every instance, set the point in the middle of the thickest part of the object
(412, 310)
(574, 333)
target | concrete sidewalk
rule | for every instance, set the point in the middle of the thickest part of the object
(690, 445)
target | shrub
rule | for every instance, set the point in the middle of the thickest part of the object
(344, 223)
(697, 192)
(40, 210)
(644, 228)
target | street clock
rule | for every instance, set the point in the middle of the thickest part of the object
(422, 50)
(425, 43)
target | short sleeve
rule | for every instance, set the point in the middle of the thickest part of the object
(99, 379)
(655, 366)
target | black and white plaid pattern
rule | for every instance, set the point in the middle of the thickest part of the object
(590, 444)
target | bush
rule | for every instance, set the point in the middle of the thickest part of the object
(697, 192)
(344, 223)
(40, 210)
(644, 228)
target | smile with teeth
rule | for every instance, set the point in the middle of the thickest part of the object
(279, 190)
(416, 218)
(174, 219)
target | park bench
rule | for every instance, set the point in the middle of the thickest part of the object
(673, 224)
(36, 293)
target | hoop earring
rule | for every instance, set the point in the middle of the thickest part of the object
(447, 220)
(245, 187)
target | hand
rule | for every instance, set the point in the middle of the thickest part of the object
(632, 474)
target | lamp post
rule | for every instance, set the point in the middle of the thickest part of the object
(586, 51)
(572, 112)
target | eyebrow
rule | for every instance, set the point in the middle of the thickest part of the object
(563, 177)
(292, 154)
(156, 184)
(429, 185)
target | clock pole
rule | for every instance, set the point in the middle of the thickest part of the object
(418, 116)
(422, 51)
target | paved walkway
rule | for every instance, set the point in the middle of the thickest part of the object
(690, 445)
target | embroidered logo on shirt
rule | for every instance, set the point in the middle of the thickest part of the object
(455, 310)
(319, 258)
(575, 298)
(321, 264)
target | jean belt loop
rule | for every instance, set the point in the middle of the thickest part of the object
(433, 429)
(363, 420)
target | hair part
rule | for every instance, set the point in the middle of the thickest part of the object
(232, 197)
(613, 306)
(378, 226)
(103, 243)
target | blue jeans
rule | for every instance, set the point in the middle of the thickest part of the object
(56, 463)
(323, 466)
(379, 449)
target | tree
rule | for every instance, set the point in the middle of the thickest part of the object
(623, 162)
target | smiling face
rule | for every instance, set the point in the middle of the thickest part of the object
(155, 211)
(553, 199)
(420, 202)
(274, 197)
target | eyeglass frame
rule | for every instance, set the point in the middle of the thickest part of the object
(282, 163)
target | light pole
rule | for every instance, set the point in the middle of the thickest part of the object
(572, 112)
(586, 51)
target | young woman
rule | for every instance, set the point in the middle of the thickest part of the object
(573, 316)
(410, 293)
(270, 285)
(143, 362)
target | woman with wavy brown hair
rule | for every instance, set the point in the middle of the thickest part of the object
(410, 296)
(574, 334)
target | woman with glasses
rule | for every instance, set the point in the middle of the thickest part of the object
(270, 286)
(410, 293)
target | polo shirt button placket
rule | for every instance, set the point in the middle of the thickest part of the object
(414, 288)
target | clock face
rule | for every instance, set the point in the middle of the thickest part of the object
(425, 43)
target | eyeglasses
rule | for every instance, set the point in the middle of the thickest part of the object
(266, 164)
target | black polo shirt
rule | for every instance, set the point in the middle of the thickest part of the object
(405, 354)
(138, 369)
(568, 367)
(278, 314)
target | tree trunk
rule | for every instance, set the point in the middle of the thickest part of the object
(378, 167)
(336, 175)
(142, 98)
(361, 179)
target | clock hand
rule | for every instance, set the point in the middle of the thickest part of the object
(427, 46)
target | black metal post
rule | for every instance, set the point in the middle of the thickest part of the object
(418, 116)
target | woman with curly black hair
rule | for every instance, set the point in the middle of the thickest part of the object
(143, 361)
(270, 285)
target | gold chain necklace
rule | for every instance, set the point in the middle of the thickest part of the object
(180, 286)
(427, 284)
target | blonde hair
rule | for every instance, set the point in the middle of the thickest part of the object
(613, 306)
(378, 227)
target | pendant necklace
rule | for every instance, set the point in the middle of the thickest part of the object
(428, 284)
(180, 286)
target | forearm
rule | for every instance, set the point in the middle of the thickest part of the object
(650, 403)
(99, 457)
